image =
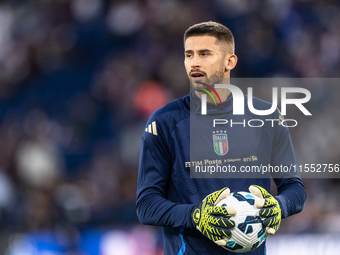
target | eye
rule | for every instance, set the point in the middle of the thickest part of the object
(188, 55)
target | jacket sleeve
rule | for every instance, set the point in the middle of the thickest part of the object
(291, 196)
(291, 191)
(152, 205)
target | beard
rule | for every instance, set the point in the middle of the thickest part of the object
(215, 78)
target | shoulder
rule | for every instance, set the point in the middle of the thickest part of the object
(172, 112)
(163, 120)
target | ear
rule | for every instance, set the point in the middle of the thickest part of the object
(230, 62)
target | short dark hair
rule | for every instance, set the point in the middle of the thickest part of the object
(221, 32)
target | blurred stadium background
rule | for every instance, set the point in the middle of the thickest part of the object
(79, 79)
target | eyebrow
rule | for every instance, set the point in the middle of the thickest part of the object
(200, 51)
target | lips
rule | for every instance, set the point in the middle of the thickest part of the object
(197, 75)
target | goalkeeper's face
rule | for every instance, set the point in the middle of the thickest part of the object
(206, 58)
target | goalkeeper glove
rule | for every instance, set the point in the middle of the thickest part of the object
(211, 220)
(270, 208)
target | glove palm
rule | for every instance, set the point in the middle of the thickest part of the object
(212, 220)
(270, 208)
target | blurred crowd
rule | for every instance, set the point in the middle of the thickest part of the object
(79, 79)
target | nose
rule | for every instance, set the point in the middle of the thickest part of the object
(196, 62)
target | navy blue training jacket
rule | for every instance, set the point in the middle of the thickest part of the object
(166, 193)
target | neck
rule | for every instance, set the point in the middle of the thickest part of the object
(222, 93)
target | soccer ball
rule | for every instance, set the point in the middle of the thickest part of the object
(249, 232)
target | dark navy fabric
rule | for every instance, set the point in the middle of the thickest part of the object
(166, 194)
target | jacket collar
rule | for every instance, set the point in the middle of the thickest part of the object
(195, 105)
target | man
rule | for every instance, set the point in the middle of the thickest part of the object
(168, 197)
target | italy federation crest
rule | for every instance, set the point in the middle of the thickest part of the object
(220, 140)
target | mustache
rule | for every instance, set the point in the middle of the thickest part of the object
(197, 71)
